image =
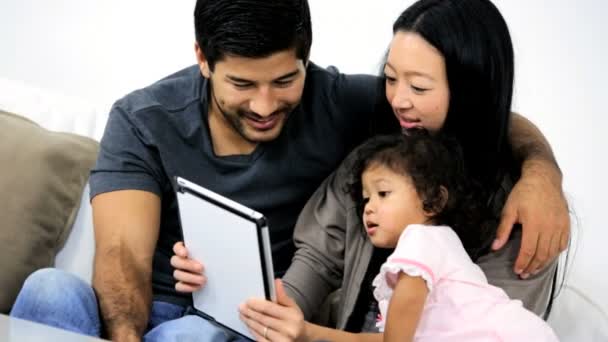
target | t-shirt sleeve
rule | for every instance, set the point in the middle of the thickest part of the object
(420, 252)
(126, 159)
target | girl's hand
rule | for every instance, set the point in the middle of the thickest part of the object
(189, 273)
(277, 322)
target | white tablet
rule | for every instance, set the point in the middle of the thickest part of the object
(232, 242)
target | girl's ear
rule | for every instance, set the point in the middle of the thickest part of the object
(445, 195)
(443, 200)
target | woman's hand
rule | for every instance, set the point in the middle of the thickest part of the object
(280, 321)
(189, 273)
(537, 202)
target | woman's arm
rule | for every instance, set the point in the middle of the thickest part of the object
(405, 308)
(320, 238)
(318, 333)
(284, 321)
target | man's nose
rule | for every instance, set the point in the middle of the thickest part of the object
(264, 103)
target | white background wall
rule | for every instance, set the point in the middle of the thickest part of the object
(100, 50)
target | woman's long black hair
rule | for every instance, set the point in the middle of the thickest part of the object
(474, 40)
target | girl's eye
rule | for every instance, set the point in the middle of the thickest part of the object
(383, 193)
(365, 200)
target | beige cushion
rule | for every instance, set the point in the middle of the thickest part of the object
(42, 179)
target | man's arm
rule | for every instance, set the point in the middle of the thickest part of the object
(530, 146)
(126, 231)
(536, 201)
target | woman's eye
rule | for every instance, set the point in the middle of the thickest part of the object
(389, 79)
(419, 89)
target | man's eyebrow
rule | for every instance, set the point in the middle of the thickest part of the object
(238, 79)
(281, 78)
(288, 75)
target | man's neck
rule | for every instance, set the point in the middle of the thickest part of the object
(225, 139)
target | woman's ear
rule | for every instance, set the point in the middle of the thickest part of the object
(202, 61)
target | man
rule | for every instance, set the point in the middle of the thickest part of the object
(254, 121)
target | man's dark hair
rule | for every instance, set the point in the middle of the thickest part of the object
(252, 28)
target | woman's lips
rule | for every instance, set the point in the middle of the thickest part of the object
(409, 123)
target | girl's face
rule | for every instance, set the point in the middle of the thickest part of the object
(416, 83)
(391, 203)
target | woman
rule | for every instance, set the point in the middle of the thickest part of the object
(449, 70)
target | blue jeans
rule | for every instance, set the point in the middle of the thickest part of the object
(59, 299)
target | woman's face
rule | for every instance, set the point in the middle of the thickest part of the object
(416, 83)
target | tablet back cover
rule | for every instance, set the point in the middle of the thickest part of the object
(231, 248)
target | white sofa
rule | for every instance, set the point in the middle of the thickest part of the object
(575, 316)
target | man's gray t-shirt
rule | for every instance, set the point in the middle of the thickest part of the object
(161, 131)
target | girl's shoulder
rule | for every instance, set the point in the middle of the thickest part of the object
(421, 240)
(422, 233)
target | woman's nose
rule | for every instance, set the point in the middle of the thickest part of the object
(402, 99)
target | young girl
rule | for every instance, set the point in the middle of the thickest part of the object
(415, 198)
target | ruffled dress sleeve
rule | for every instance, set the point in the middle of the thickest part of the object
(419, 253)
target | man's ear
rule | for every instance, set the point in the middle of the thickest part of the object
(202, 61)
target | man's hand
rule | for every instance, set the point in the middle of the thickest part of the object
(280, 321)
(189, 273)
(538, 204)
(125, 335)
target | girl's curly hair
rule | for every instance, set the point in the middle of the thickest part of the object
(432, 162)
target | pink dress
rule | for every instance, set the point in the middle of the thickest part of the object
(461, 305)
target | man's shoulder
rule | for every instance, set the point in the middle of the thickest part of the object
(332, 76)
(171, 93)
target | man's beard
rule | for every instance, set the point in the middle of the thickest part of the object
(236, 118)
